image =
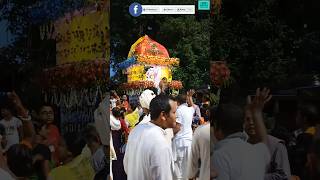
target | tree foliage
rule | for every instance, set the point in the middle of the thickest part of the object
(261, 45)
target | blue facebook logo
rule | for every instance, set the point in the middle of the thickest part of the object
(135, 9)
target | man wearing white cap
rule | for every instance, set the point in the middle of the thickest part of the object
(145, 99)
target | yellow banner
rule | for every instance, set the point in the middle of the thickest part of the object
(83, 38)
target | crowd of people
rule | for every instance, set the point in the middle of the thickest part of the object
(161, 136)
(244, 148)
(32, 147)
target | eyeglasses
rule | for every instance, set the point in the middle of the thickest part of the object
(47, 113)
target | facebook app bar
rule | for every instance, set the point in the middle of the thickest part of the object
(168, 9)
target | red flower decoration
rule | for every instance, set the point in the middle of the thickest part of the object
(75, 75)
(219, 73)
(175, 85)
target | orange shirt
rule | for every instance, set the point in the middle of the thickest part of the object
(54, 139)
(125, 104)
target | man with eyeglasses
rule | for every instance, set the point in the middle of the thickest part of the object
(49, 131)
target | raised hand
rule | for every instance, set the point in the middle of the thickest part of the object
(256, 106)
(191, 92)
(15, 99)
(261, 98)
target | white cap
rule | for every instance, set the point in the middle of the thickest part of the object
(146, 97)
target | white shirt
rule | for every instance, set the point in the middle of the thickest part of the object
(101, 122)
(113, 102)
(12, 134)
(148, 156)
(235, 159)
(5, 175)
(200, 149)
(115, 125)
(145, 119)
(168, 132)
(184, 117)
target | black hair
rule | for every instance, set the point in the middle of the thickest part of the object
(133, 106)
(19, 158)
(206, 97)
(75, 145)
(116, 112)
(205, 108)
(46, 105)
(181, 98)
(8, 106)
(90, 134)
(229, 118)
(310, 112)
(155, 90)
(159, 104)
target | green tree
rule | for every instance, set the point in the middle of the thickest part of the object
(259, 44)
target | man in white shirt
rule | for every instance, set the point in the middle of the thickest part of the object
(183, 139)
(234, 158)
(13, 127)
(148, 156)
(5, 172)
(200, 150)
(279, 167)
(145, 99)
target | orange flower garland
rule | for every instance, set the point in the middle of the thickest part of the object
(149, 84)
(158, 60)
(175, 85)
(76, 75)
(138, 85)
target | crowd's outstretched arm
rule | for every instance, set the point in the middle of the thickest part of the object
(255, 106)
(190, 94)
(23, 114)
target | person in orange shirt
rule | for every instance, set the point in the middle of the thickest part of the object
(125, 102)
(52, 135)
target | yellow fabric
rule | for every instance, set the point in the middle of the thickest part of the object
(78, 169)
(136, 73)
(311, 130)
(132, 118)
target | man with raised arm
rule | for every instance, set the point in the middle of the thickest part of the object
(234, 158)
